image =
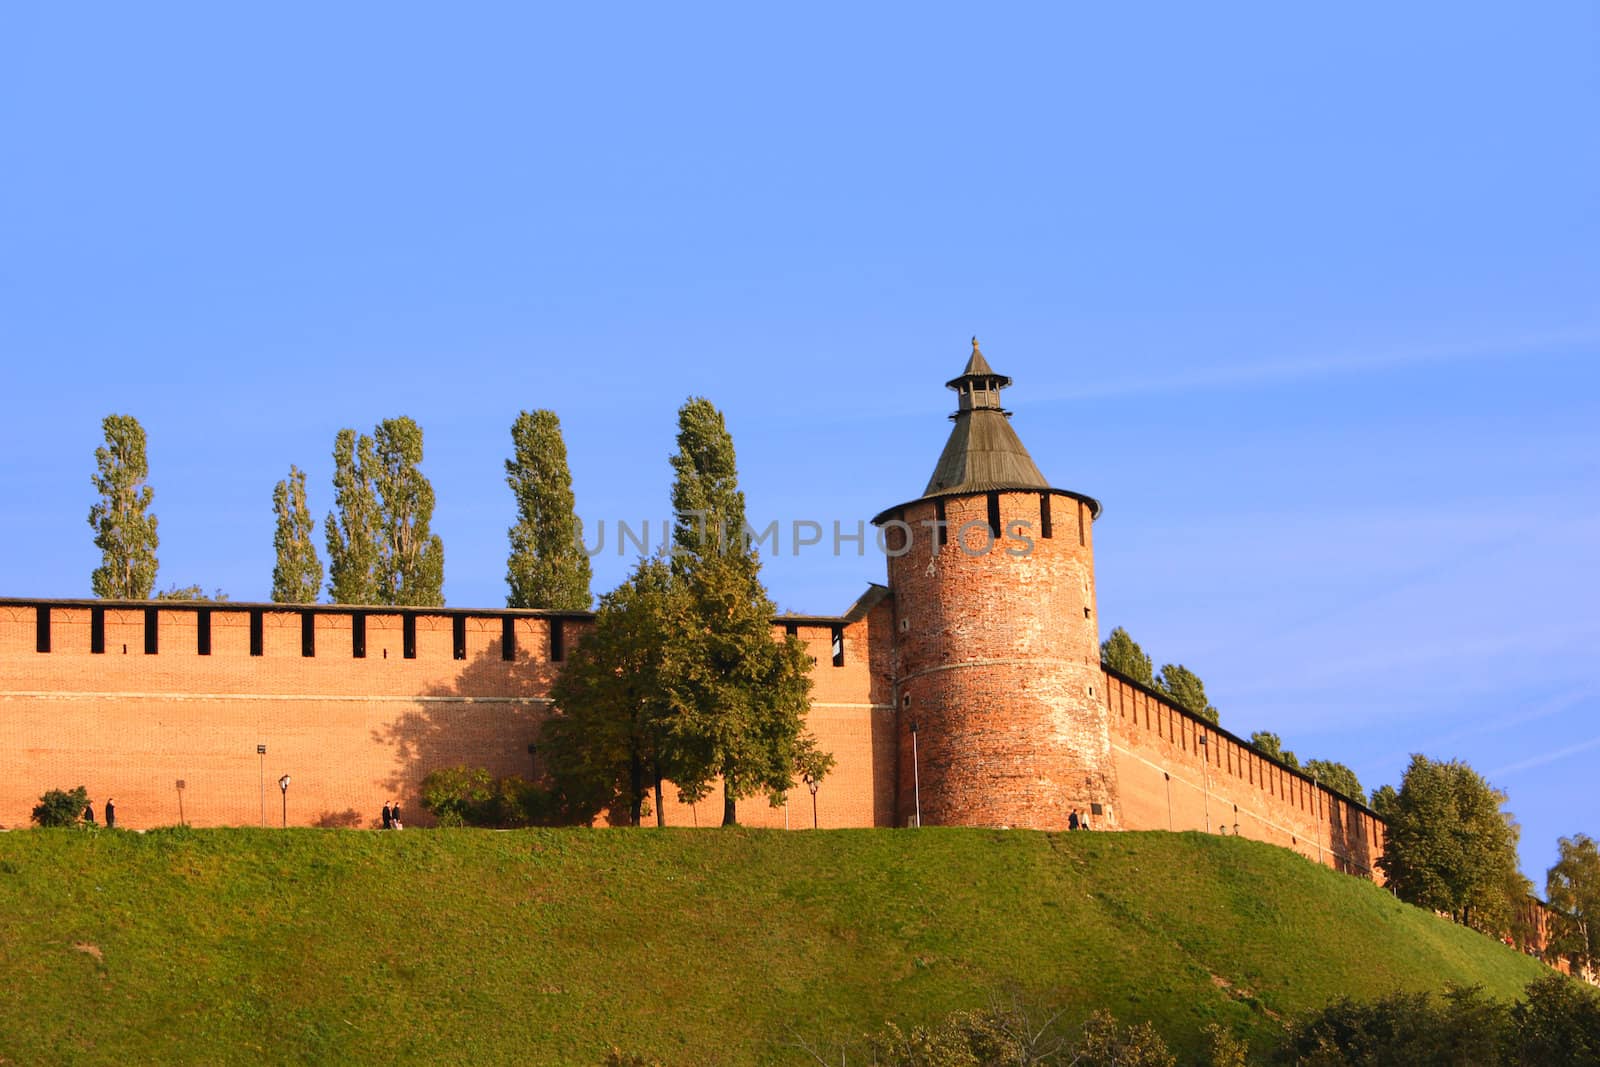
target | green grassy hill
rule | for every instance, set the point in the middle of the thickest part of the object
(700, 947)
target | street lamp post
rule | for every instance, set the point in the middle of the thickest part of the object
(261, 756)
(181, 784)
(812, 784)
(916, 774)
(283, 784)
(1205, 777)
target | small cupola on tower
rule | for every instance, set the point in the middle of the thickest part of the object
(983, 452)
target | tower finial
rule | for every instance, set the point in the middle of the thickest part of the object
(975, 346)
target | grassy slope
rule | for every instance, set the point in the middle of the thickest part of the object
(700, 946)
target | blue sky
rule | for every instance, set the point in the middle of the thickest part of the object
(1307, 297)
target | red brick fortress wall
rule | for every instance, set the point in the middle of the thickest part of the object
(1171, 781)
(433, 689)
(997, 662)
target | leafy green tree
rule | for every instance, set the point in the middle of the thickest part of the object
(352, 527)
(1184, 688)
(1270, 744)
(1449, 847)
(612, 735)
(297, 576)
(380, 547)
(548, 567)
(61, 807)
(743, 694)
(1401, 1029)
(125, 530)
(1384, 799)
(189, 592)
(1122, 654)
(1573, 888)
(1336, 776)
(1556, 1022)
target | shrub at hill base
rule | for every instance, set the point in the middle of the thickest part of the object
(471, 796)
(61, 807)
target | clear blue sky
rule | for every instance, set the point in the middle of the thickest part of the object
(1310, 298)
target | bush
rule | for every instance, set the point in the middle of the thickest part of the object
(1559, 1022)
(458, 796)
(60, 807)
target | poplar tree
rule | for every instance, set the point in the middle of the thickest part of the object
(1270, 744)
(352, 527)
(380, 547)
(125, 530)
(297, 576)
(410, 555)
(743, 693)
(547, 567)
(1122, 654)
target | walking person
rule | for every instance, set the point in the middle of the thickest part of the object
(388, 817)
(88, 813)
(1072, 820)
(111, 814)
(394, 814)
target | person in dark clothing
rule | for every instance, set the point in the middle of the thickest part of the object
(394, 815)
(1072, 820)
(111, 813)
(88, 813)
(388, 817)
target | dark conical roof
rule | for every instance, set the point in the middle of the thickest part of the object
(983, 451)
(984, 454)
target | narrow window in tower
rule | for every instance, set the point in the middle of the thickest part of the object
(358, 635)
(97, 630)
(994, 514)
(257, 637)
(1044, 515)
(41, 628)
(556, 641)
(508, 638)
(938, 514)
(308, 634)
(202, 632)
(458, 637)
(838, 646)
(152, 643)
(1086, 612)
(905, 701)
(1080, 522)
(408, 636)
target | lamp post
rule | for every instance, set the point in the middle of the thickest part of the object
(181, 784)
(261, 756)
(1205, 777)
(916, 774)
(283, 784)
(812, 784)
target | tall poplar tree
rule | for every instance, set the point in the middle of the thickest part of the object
(125, 530)
(1185, 689)
(297, 576)
(352, 527)
(410, 555)
(547, 567)
(743, 713)
(380, 547)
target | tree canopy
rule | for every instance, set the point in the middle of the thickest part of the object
(297, 575)
(1122, 654)
(380, 546)
(1336, 776)
(1573, 888)
(125, 528)
(1449, 846)
(547, 566)
(1270, 744)
(1185, 689)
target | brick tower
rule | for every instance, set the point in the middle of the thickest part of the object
(996, 636)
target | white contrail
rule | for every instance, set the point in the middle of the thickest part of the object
(1544, 758)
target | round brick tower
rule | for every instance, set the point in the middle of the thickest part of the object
(1002, 718)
